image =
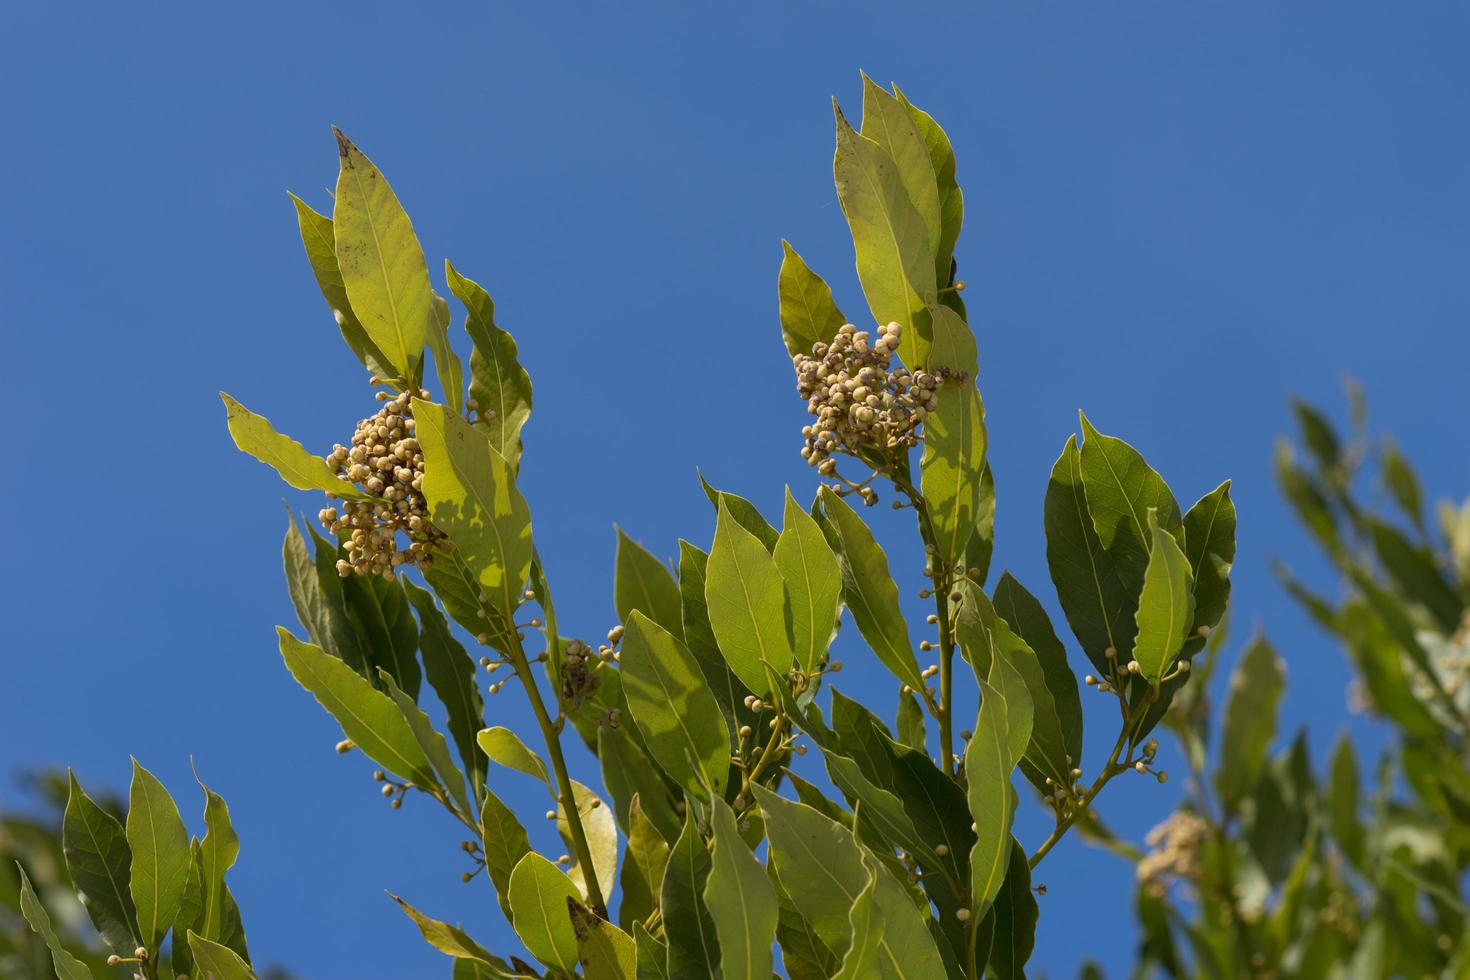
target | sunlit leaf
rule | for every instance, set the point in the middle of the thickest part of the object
(539, 893)
(255, 436)
(813, 579)
(745, 597)
(160, 847)
(809, 315)
(741, 901)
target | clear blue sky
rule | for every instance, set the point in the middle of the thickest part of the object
(1178, 214)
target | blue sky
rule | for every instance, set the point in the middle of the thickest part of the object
(1178, 215)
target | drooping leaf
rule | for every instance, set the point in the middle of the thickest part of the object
(741, 901)
(600, 827)
(950, 469)
(321, 251)
(99, 862)
(504, 842)
(160, 847)
(673, 707)
(367, 716)
(504, 747)
(1098, 607)
(642, 582)
(1165, 606)
(255, 436)
(472, 497)
(869, 590)
(1250, 721)
(67, 966)
(433, 744)
(539, 893)
(745, 597)
(606, 952)
(889, 124)
(694, 949)
(217, 961)
(500, 389)
(447, 939)
(451, 673)
(813, 579)
(894, 261)
(381, 262)
(809, 315)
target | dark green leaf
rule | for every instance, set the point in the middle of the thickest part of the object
(1015, 915)
(740, 900)
(1121, 488)
(694, 950)
(1165, 606)
(99, 863)
(432, 742)
(1416, 576)
(1209, 541)
(1028, 619)
(380, 613)
(644, 583)
(1250, 721)
(911, 723)
(1403, 484)
(1342, 811)
(316, 592)
(451, 672)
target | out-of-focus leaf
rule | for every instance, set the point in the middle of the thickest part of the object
(255, 436)
(1403, 484)
(451, 673)
(745, 597)
(813, 579)
(539, 893)
(381, 262)
(1165, 606)
(1342, 811)
(368, 717)
(160, 847)
(894, 260)
(500, 389)
(1414, 573)
(472, 497)
(869, 589)
(950, 469)
(504, 841)
(1250, 721)
(740, 900)
(644, 583)
(1318, 434)
(673, 707)
(694, 949)
(809, 316)
(99, 862)
(67, 966)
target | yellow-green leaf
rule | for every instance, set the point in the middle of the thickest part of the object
(741, 900)
(444, 937)
(539, 912)
(499, 387)
(255, 436)
(161, 858)
(888, 123)
(950, 469)
(218, 962)
(813, 582)
(746, 599)
(505, 747)
(67, 966)
(1166, 605)
(809, 315)
(321, 251)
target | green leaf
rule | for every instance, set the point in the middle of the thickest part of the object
(1015, 914)
(255, 436)
(869, 589)
(505, 842)
(644, 861)
(1121, 488)
(1318, 434)
(218, 962)
(67, 966)
(1165, 607)
(699, 635)
(889, 124)
(951, 200)
(381, 262)
(746, 514)
(539, 894)
(653, 955)
(472, 496)
(500, 389)
(1209, 541)
(433, 744)
(813, 579)
(1402, 484)
(628, 771)
(950, 469)
(803, 953)
(694, 949)
(446, 362)
(1342, 810)
(809, 316)
(385, 626)
(319, 238)
(642, 582)
(446, 938)
(740, 900)
(865, 924)
(745, 597)
(160, 847)
(99, 862)
(1416, 575)
(217, 854)
(821, 866)
(451, 672)
(911, 723)
(1028, 619)
(503, 746)
(894, 262)
(601, 828)
(673, 707)
(982, 541)
(368, 717)
(606, 952)
(316, 592)
(988, 765)
(1250, 722)
(1098, 607)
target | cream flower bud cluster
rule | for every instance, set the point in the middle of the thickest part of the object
(384, 460)
(1174, 850)
(862, 403)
